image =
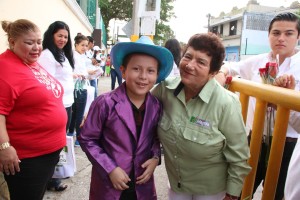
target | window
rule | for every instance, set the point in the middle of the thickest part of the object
(258, 22)
(232, 28)
(221, 29)
(215, 30)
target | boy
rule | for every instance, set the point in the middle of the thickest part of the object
(119, 135)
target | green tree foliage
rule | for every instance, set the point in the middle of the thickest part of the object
(122, 10)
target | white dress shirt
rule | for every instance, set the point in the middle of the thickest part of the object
(248, 69)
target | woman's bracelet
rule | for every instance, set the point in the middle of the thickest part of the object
(4, 145)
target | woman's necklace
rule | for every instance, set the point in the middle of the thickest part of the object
(43, 77)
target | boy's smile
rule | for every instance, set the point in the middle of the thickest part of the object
(140, 75)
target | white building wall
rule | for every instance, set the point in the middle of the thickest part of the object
(239, 26)
(43, 13)
(231, 42)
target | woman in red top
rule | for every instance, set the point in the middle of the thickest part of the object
(31, 134)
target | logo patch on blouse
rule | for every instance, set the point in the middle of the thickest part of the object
(199, 122)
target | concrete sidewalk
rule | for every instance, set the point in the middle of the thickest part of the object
(79, 185)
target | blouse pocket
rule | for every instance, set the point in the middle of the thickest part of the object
(164, 123)
(196, 134)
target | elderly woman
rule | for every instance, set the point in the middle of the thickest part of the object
(202, 130)
(31, 134)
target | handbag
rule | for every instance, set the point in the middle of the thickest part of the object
(66, 165)
(90, 98)
(80, 85)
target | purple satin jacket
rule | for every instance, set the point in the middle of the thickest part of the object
(108, 137)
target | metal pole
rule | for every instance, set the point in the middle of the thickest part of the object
(136, 21)
(246, 46)
(208, 22)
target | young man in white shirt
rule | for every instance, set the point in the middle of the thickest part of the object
(284, 32)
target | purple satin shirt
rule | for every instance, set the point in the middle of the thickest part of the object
(108, 137)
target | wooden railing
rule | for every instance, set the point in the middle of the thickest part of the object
(285, 100)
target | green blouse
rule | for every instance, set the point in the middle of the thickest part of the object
(204, 139)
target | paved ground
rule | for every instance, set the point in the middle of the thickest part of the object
(79, 184)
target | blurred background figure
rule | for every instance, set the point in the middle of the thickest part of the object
(107, 65)
(80, 94)
(29, 144)
(90, 53)
(174, 47)
(102, 60)
(115, 74)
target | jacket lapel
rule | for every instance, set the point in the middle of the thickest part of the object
(150, 112)
(124, 109)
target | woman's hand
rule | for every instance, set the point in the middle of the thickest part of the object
(221, 76)
(9, 161)
(92, 72)
(119, 179)
(285, 81)
(149, 167)
(83, 121)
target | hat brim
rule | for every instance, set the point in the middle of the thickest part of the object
(163, 55)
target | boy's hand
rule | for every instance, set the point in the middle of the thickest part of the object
(150, 167)
(119, 179)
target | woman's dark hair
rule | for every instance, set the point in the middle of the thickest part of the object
(91, 40)
(174, 47)
(286, 16)
(210, 44)
(48, 43)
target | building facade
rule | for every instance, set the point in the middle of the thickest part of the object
(82, 16)
(245, 31)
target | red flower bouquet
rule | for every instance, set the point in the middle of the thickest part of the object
(268, 75)
(269, 72)
(227, 82)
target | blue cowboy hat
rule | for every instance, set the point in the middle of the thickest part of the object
(144, 45)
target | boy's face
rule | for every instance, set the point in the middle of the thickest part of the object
(140, 75)
(283, 38)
